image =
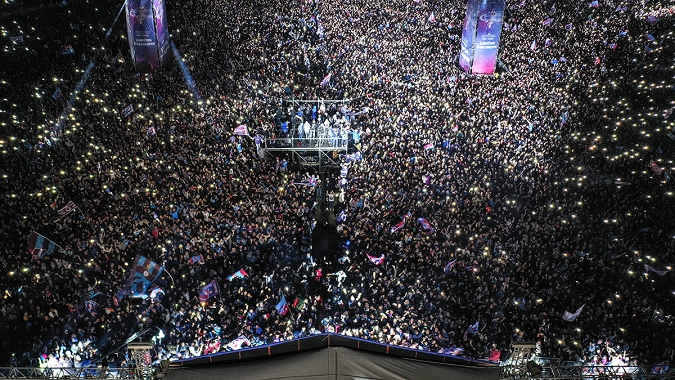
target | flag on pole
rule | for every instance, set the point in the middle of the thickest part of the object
(241, 273)
(196, 259)
(128, 110)
(376, 260)
(241, 130)
(650, 268)
(655, 167)
(236, 344)
(67, 50)
(426, 226)
(473, 329)
(155, 292)
(569, 317)
(90, 306)
(282, 306)
(209, 291)
(67, 209)
(39, 246)
(449, 266)
(143, 273)
(428, 146)
(57, 93)
(533, 46)
(326, 80)
(119, 295)
(401, 224)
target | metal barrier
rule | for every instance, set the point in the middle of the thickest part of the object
(291, 143)
(66, 373)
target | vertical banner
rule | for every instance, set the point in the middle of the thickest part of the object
(162, 32)
(468, 35)
(142, 36)
(488, 30)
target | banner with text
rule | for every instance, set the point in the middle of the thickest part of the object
(488, 31)
(142, 35)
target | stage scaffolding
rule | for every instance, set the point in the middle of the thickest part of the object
(324, 148)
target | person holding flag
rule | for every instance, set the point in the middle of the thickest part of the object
(143, 273)
(209, 291)
(241, 273)
(282, 306)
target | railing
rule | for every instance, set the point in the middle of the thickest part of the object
(338, 143)
(585, 371)
(66, 373)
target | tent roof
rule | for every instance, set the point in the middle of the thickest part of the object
(341, 358)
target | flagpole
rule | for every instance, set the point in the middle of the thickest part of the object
(170, 276)
(50, 240)
(80, 210)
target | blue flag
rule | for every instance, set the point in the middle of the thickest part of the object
(209, 291)
(143, 273)
(282, 306)
(39, 246)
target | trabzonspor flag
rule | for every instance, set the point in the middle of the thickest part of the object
(143, 273)
(426, 226)
(196, 259)
(241, 273)
(376, 260)
(282, 306)
(39, 246)
(241, 130)
(209, 291)
(400, 224)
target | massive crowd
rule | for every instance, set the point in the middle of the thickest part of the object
(536, 182)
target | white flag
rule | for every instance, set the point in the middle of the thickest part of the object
(569, 317)
(659, 272)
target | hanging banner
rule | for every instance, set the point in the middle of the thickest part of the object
(148, 34)
(162, 32)
(488, 31)
(468, 35)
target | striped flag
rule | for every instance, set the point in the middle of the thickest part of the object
(39, 246)
(428, 146)
(376, 260)
(241, 273)
(143, 273)
(326, 80)
(128, 110)
(655, 167)
(67, 209)
(426, 226)
(400, 224)
(282, 306)
(196, 259)
(241, 130)
(449, 266)
(533, 46)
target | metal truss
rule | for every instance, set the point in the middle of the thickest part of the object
(309, 151)
(66, 373)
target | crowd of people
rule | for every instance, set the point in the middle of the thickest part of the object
(481, 209)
